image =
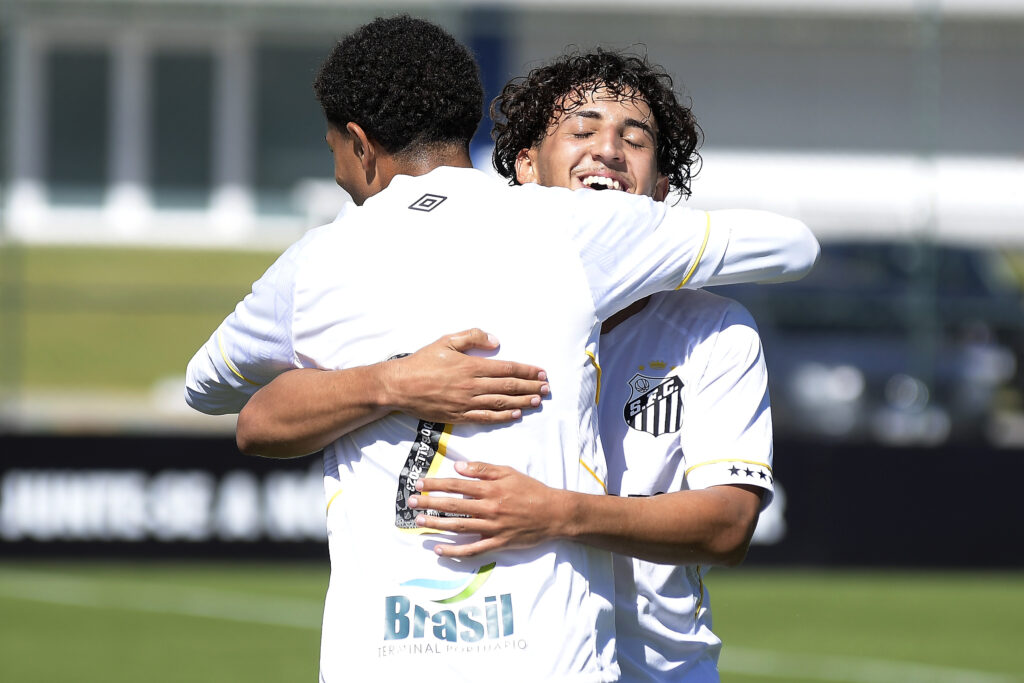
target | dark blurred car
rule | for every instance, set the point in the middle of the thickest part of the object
(900, 343)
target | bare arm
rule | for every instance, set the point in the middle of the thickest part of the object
(509, 509)
(303, 410)
(710, 523)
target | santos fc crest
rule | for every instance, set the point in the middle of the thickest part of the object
(655, 404)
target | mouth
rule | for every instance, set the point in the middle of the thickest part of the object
(603, 182)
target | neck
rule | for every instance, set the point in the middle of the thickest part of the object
(424, 160)
(623, 315)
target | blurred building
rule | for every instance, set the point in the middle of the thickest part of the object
(892, 127)
(187, 121)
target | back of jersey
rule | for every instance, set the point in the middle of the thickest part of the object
(431, 255)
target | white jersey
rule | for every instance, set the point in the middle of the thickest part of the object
(684, 405)
(537, 267)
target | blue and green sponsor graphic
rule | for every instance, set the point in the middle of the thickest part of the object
(470, 623)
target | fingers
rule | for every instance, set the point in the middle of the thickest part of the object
(446, 504)
(469, 549)
(506, 369)
(509, 386)
(454, 525)
(490, 401)
(474, 338)
(474, 488)
(489, 416)
(459, 487)
(481, 471)
(491, 409)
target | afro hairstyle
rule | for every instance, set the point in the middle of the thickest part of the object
(405, 81)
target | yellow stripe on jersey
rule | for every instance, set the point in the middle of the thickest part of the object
(700, 254)
(713, 462)
(336, 494)
(700, 600)
(594, 475)
(231, 366)
(593, 359)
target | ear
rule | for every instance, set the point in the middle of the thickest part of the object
(365, 150)
(526, 166)
(660, 189)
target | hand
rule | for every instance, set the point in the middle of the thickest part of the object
(506, 508)
(441, 383)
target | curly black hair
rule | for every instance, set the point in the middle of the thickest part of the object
(527, 107)
(405, 81)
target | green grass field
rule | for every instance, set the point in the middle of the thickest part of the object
(106, 319)
(113, 319)
(250, 622)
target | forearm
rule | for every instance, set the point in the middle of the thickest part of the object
(763, 247)
(709, 526)
(303, 410)
(511, 510)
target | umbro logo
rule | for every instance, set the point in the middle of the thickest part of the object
(427, 202)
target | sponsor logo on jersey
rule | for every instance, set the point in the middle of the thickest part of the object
(427, 202)
(489, 618)
(655, 404)
(427, 451)
(456, 619)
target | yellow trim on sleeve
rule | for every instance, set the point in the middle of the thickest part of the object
(231, 366)
(336, 494)
(594, 475)
(700, 254)
(713, 462)
(593, 359)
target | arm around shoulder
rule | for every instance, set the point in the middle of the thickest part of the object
(762, 247)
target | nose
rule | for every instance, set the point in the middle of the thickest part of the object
(608, 147)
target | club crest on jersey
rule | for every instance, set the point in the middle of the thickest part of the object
(655, 404)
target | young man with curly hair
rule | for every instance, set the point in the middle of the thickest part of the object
(684, 412)
(425, 249)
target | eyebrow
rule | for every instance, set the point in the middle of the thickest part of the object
(635, 123)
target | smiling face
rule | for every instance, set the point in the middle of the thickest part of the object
(605, 143)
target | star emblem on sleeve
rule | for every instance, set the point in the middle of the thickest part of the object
(751, 471)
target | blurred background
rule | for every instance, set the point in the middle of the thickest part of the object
(158, 154)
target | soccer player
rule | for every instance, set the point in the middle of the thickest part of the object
(684, 412)
(424, 250)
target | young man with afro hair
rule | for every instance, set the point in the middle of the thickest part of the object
(430, 246)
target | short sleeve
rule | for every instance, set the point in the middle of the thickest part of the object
(251, 347)
(728, 439)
